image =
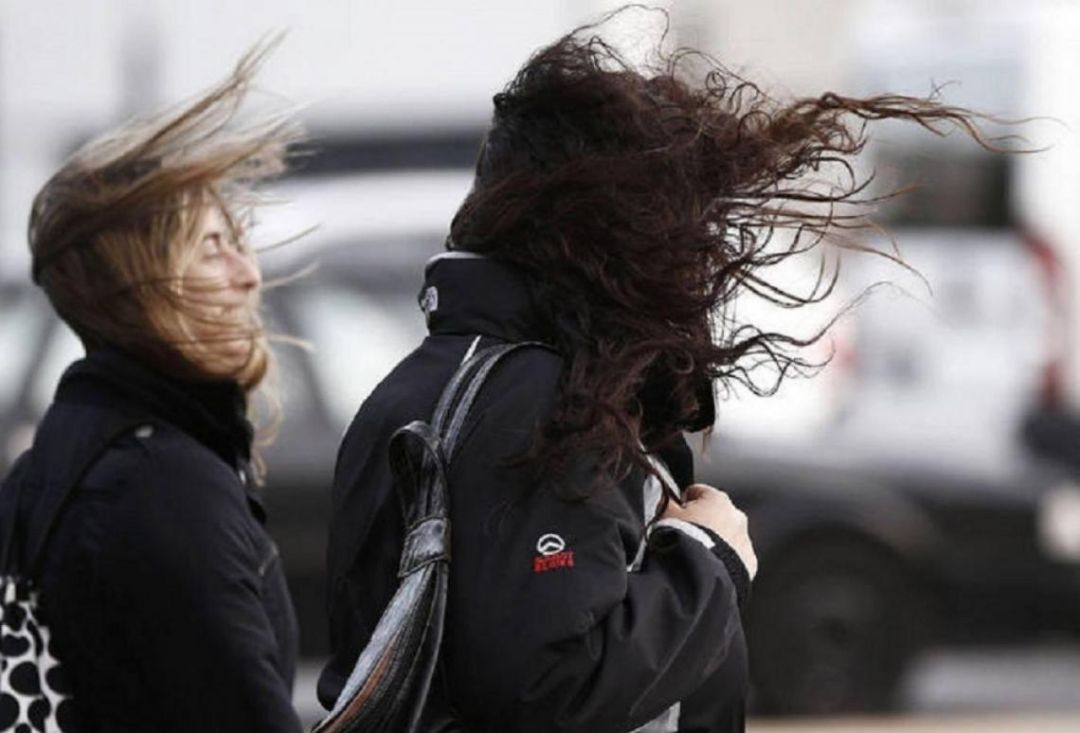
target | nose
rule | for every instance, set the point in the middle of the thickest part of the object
(244, 271)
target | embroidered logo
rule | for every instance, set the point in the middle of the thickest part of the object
(553, 554)
(429, 302)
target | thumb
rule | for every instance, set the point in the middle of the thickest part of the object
(696, 491)
(674, 511)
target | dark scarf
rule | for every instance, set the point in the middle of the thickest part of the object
(214, 413)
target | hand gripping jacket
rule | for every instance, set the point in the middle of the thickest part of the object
(390, 683)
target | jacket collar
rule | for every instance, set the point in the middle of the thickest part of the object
(214, 413)
(466, 293)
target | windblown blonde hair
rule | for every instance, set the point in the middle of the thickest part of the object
(111, 231)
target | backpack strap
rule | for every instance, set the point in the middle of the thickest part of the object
(11, 492)
(70, 457)
(478, 367)
(438, 441)
(389, 686)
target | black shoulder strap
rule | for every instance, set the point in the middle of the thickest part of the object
(389, 686)
(440, 437)
(71, 456)
(463, 388)
(11, 491)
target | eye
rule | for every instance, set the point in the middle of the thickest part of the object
(212, 245)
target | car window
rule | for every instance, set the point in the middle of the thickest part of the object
(20, 328)
(948, 189)
(357, 338)
(62, 349)
(289, 381)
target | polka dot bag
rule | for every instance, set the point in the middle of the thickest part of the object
(33, 691)
(34, 694)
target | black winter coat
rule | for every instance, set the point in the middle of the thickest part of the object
(561, 617)
(165, 596)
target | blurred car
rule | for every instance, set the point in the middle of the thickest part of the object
(865, 558)
(866, 562)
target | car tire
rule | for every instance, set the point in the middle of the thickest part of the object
(831, 629)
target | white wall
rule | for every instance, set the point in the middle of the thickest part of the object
(69, 68)
(1049, 193)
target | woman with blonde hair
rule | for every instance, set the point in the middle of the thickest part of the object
(136, 514)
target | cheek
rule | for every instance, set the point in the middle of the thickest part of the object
(206, 281)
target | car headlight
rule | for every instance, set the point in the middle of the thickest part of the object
(1059, 523)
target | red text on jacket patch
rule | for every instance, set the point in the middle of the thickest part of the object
(544, 563)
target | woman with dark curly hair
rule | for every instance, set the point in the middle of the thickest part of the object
(617, 212)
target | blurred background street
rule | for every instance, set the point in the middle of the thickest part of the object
(977, 724)
(992, 690)
(915, 505)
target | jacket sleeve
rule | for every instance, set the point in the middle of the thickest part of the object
(547, 628)
(206, 647)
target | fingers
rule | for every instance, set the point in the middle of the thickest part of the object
(712, 508)
(749, 560)
(709, 493)
(674, 510)
(696, 491)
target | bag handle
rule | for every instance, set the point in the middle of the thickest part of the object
(41, 523)
(392, 676)
(481, 365)
(13, 483)
(439, 439)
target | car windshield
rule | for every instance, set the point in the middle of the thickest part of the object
(357, 337)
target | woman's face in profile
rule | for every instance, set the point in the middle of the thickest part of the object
(221, 286)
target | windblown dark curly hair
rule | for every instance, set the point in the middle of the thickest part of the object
(641, 200)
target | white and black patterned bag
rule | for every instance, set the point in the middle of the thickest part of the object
(34, 694)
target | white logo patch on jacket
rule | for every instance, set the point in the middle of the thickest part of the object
(552, 554)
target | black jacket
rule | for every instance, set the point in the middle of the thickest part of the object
(165, 596)
(548, 628)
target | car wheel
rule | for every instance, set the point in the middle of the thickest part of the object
(831, 629)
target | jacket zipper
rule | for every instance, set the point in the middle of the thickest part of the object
(269, 559)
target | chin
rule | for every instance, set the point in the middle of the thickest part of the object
(244, 361)
(253, 364)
